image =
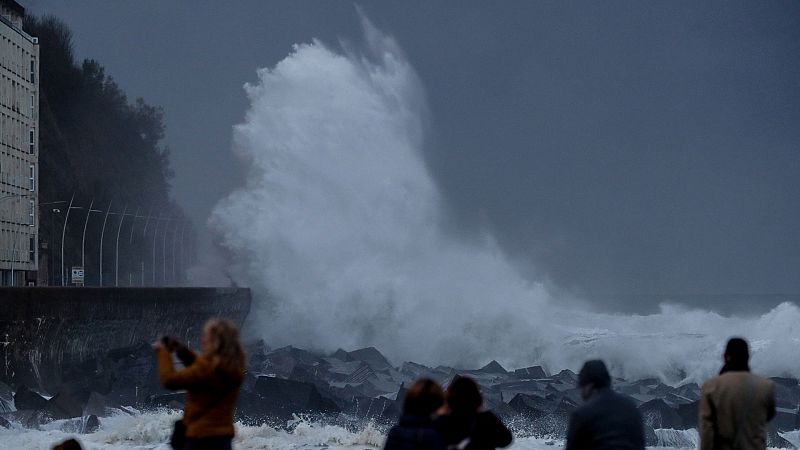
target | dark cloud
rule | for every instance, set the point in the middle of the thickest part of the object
(616, 149)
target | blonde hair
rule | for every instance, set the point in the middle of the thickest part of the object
(224, 347)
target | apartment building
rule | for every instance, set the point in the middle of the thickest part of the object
(19, 148)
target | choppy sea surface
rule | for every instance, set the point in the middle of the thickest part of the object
(151, 431)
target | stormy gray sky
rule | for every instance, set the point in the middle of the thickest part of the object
(615, 149)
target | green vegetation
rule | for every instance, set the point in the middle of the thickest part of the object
(97, 145)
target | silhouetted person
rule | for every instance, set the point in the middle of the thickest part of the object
(736, 405)
(465, 424)
(211, 380)
(607, 420)
(69, 444)
(415, 429)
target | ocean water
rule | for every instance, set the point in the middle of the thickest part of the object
(151, 431)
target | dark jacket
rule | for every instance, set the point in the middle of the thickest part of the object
(413, 433)
(484, 430)
(606, 421)
(211, 393)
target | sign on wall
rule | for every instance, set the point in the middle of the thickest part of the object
(77, 275)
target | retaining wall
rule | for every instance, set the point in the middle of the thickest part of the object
(43, 330)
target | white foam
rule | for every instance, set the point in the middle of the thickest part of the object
(678, 438)
(151, 431)
(339, 231)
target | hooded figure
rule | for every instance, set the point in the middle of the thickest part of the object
(607, 420)
(415, 429)
(466, 424)
(736, 405)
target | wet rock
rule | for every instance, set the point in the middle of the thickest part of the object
(79, 380)
(90, 424)
(566, 376)
(493, 367)
(256, 355)
(6, 405)
(787, 392)
(510, 389)
(340, 371)
(657, 414)
(63, 406)
(689, 413)
(547, 415)
(276, 398)
(785, 419)
(650, 437)
(281, 362)
(689, 390)
(414, 371)
(378, 409)
(174, 400)
(775, 440)
(372, 357)
(80, 425)
(341, 355)
(26, 399)
(28, 418)
(527, 373)
(135, 376)
(5, 423)
(97, 405)
(6, 393)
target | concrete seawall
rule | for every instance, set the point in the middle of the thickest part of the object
(45, 331)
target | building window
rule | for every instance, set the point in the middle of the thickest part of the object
(32, 180)
(33, 71)
(33, 104)
(31, 249)
(32, 142)
(31, 213)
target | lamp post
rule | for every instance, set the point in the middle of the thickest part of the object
(164, 252)
(83, 239)
(116, 251)
(155, 233)
(174, 243)
(102, 234)
(144, 235)
(130, 242)
(54, 211)
(63, 233)
(52, 270)
(183, 262)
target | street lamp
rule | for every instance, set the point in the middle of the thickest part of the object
(52, 270)
(102, 234)
(116, 251)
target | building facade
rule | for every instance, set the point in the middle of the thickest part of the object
(19, 148)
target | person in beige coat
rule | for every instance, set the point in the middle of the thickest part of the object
(736, 405)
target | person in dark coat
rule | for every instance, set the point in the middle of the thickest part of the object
(607, 420)
(465, 424)
(415, 429)
(69, 444)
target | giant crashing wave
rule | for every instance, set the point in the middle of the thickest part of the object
(339, 232)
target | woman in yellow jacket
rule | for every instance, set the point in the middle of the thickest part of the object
(211, 380)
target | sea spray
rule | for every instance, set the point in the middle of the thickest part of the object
(339, 233)
(341, 220)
